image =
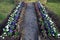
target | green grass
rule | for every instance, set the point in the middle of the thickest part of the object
(5, 8)
(54, 5)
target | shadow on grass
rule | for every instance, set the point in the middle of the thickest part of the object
(55, 18)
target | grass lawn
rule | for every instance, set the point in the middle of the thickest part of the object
(5, 8)
(54, 5)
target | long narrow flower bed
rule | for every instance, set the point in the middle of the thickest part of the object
(48, 23)
(10, 28)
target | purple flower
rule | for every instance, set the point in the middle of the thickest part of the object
(11, 31)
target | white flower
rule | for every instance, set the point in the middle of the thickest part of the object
(15, 11)
(10, 15)
(54, 29)
(51, 26)
(51, 23)
(7, 26)
(46, 15)
(8, 20)
(3, 37)
(58, 35)
(5, 33)
(18, 5)
(53, 34)
(12, 18)
(43, 10)
(3, 29)
(48, 18)
(7, 29)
